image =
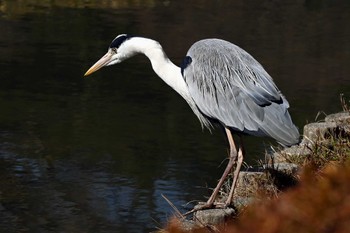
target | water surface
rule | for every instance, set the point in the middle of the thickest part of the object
(95, 154)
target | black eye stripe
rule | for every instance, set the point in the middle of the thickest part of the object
(119, 40)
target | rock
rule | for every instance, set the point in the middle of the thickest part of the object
(344, 130)
(315, 132)
(242, 202)
(336, 125)
(340, 117)
(296, 150)
(188, 225)
(213, 216)
(286, 168)
(248, 183)
(289, 154)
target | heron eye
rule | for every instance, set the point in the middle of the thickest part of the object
(114, 50)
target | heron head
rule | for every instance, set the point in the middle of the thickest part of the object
(118, 51)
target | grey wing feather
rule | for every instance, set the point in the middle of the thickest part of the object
(229, 85)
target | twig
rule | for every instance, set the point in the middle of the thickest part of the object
(177, 212)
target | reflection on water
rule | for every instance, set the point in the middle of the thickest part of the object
(76, 196)
(95, 154)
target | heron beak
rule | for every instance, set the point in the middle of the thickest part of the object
(100, 63)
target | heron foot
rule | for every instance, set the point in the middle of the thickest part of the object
(205, 206)
(200, 207)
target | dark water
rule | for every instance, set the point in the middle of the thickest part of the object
(95, 154)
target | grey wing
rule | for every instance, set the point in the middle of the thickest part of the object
(229, 85)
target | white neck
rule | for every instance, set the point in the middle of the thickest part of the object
(166, 70)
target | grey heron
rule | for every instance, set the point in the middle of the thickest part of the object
(222, 83)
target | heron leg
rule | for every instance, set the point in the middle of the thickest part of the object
(236, 172)
(231, 162)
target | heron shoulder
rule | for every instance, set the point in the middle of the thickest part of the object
(219, 62)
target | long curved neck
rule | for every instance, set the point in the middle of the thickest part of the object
(168, 71)
(161, 64)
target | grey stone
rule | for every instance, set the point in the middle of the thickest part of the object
(287, 168)
(188, 225)
(338, 117)
(242, 202)
(298, 150)
(344, 130)
(213, 216)
(248, 183)
(288, 154)
(320, 131)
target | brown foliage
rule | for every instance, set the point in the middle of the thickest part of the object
(318, 204)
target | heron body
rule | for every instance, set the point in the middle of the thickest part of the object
(221, 82)
(229, 85)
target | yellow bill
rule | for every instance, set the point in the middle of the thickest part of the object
(100, 63)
